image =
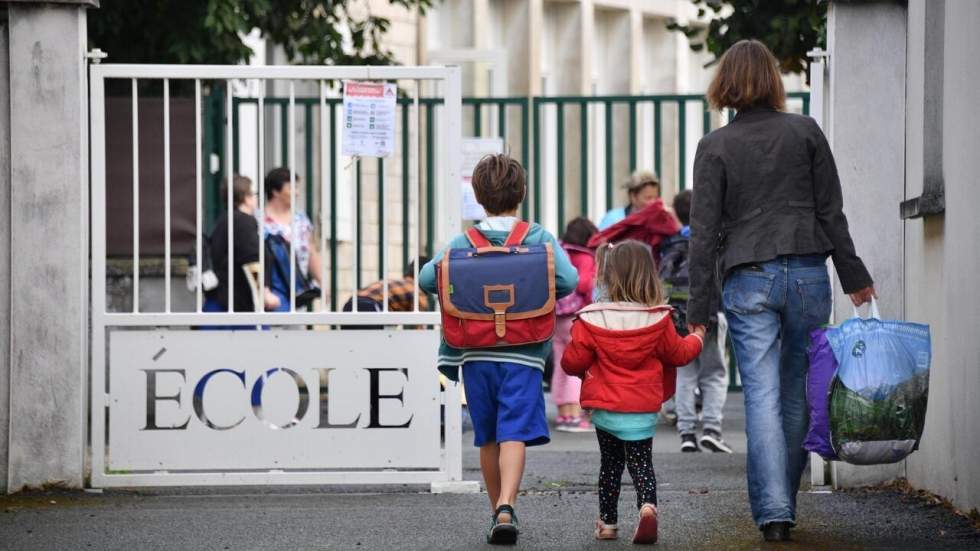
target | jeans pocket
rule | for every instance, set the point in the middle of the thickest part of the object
(815, 298)
(747, 291)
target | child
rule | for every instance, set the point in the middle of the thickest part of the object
(708, 371)
(503, 384)
(565, 389)
(625, 350)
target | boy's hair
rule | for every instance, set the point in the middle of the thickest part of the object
(641, 179)
(276, 179)
(241, 188)
(748, 75)
(498, 183)
(682, 207)
(627, 273)
(579, 231)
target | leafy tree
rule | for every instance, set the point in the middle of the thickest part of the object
(331, 32)
(790, 28)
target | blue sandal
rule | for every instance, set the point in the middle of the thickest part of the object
(503, 533)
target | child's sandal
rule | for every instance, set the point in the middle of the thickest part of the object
(503, 533)
(605, 531)
(646, 528)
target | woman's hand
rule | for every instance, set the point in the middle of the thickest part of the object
(271, 300)
(863, 296)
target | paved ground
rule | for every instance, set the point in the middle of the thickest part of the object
(703, 506)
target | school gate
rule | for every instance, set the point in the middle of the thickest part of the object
(179, 399)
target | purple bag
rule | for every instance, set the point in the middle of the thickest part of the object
(823, 366)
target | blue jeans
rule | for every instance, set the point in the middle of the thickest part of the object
(771, 309)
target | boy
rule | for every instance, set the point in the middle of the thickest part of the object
(707, 372)
(503, 384)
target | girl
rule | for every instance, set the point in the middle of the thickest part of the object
(626, 350)
(565, 389)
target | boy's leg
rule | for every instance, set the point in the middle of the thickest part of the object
(520, 422)
(639, 461)
(511, 470)
(613, 460)
(687, 381)
(713, 382)
(490, 467)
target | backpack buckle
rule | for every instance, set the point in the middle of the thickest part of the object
(499, 298)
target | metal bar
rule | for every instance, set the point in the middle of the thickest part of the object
(293, 234)
(335, 176)
(405, 190)
(525, 151)
(415, 167)
(284, 136)
(324, 183)
(236, 106)
(609, 155)
(706, 120)
(477, 120)
(381, 227)
(189, 478)
(806, 108)
(429, 180)
(229, 198)
(502, 121)
(358, 235)
(273, 72)
(536, 182)
(731, 114)
(261, 177)
(198, 194)
(682, 145)
(166, 194)
(308, 142)
(657, 137)
(583, 157)
(632, 115)
(561, 166)
(136, 201)
(99, 402)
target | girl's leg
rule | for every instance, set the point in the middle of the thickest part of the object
(639, 461)
(565, 389)
(610, 475)
(490, 467)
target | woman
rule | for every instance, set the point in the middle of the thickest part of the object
(281, 224)
(643, 188)
(767, 212)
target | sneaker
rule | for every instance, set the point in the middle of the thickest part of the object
(561, 423)
(713, 441)
(689, 443)
(670, 417)
(579, 424)
(776, 531)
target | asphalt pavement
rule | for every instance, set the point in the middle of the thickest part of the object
(703, 505)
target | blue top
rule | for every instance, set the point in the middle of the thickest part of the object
(626, 426)
(533, 355)
(612, 217)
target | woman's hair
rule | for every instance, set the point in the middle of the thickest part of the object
(627, 273)
(748, 75)
(276, 179)
(241, 188)
(579, 231)
(498, 183)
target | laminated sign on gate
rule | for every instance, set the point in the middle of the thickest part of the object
(369, 119)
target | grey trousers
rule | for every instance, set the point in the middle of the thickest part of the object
(709, 373)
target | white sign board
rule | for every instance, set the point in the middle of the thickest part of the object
(369, 119)
(190, 400)
(475, 149)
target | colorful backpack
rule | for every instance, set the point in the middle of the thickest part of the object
(497, 296)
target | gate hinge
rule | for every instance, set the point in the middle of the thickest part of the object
(96, 56)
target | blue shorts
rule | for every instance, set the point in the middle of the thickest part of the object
(506, 403)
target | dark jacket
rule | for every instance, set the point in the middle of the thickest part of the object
(246, 235)
(766, 186)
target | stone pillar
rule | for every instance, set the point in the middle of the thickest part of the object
(48, 259)
(867, 47)
(4, 250)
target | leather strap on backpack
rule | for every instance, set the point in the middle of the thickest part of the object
(518, 234)
(476, 238)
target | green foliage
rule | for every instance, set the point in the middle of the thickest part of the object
(790, 28)
(332, 32)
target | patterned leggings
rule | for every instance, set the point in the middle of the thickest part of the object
(634, 455)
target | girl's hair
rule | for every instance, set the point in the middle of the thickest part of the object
(627, 273)
(579, 231)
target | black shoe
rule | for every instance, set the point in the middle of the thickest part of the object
(776, 531)
(689, 443)
(713, 441)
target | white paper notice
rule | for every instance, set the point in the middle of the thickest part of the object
(475, 149)
(369, 119)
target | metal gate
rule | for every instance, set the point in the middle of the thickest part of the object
(184, 395)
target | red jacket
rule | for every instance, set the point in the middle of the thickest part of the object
(627, 355)
(651, 226)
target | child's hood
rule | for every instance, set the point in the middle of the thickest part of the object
(626, 332)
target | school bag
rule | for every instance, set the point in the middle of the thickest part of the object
(673, 272)
(497, 296)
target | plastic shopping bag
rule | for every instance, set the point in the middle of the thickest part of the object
(823, 367)
(877, 402)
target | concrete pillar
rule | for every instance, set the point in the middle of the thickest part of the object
(4, 251)
(48, 183)
(867, 46)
